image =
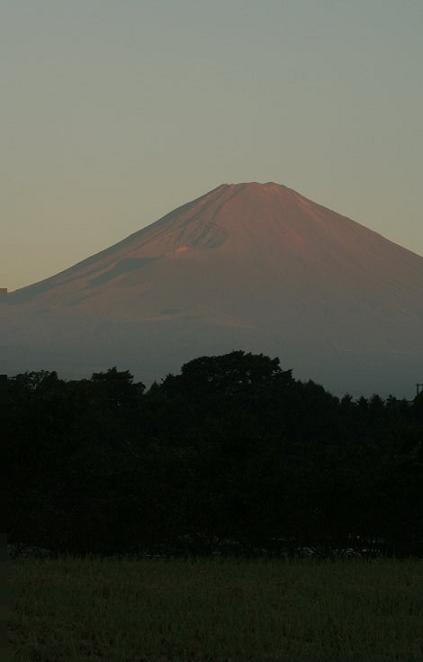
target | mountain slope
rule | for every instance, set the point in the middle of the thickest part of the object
(255, 266)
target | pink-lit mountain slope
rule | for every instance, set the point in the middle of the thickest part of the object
(251, 266)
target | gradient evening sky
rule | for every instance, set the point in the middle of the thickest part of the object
(114, 112)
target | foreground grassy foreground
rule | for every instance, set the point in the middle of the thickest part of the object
(120, 610)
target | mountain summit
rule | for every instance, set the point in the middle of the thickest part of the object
(250, 266)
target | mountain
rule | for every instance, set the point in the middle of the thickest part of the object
(251, 266)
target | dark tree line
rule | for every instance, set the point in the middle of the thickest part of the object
(232, 448)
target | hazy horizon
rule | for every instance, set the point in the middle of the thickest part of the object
(114, 114)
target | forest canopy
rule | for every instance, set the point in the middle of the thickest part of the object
(233, 448)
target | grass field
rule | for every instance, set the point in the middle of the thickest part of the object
(120, 610)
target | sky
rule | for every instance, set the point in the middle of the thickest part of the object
(114, 112)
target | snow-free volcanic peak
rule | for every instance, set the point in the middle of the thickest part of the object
(251, 266)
